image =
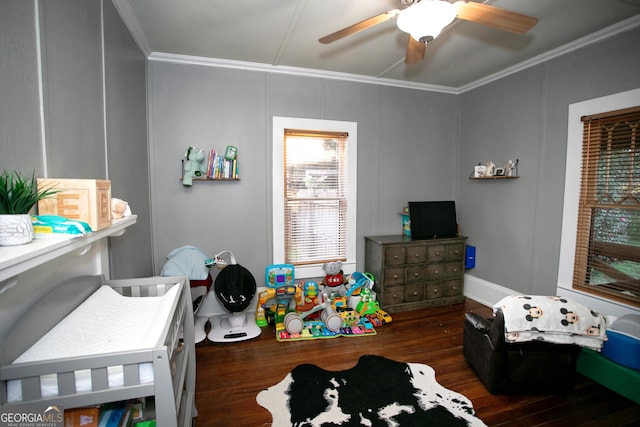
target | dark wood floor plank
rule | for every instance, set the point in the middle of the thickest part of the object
(230, 375)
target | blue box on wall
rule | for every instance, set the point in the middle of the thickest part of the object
(470, 257)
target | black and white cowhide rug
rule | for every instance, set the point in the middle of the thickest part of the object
(375, 392)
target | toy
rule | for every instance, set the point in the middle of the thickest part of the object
(334, 282)
(279, 275)
(307, 295)
(274, 304)
(357, 282)
(119, 208)
(383, 316)
(367, 303)
(349, 316)
(294, 324)
(193, 167)
(280, 297)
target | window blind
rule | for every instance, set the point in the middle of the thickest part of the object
(315, 168)
(608, 238)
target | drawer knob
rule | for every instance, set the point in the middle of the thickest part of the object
(395, 296)
(395, 257)
(417, 255)
(395, 276)
(435, 272)
(435, 290)
(416, 274)
(415, 294)
(455, 270)
(437, 253)
(453, 288)
(457, 252)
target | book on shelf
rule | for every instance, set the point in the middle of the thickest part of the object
(82, 417)
(221, 167)
(118, 414)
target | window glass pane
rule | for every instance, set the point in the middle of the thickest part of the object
(618, 176)
(614, 262)
(315, 199)
(608, 240)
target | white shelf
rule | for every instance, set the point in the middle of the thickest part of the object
(18, 259)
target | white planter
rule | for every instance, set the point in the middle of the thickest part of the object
(15, 229)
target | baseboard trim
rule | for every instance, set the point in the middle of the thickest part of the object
(485, 292)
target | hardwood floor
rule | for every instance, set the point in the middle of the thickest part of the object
(230, 375)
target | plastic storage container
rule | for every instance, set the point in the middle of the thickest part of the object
(623, 341)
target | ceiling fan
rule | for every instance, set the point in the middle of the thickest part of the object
(425, 19)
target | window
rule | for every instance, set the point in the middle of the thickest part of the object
(314, 199)
(607, 257)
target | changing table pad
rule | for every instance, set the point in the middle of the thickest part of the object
(106, 322)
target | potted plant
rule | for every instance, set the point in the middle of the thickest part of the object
(18, 194)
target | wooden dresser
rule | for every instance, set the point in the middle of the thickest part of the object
(411, 274)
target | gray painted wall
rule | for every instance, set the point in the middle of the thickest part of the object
(72, 80)
(127, 148)
(516, 224)
(19, 100)
(77, 86)
(412, 144)
(406, 150)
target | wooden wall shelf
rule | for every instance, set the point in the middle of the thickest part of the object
(493, 177)
(214, 179)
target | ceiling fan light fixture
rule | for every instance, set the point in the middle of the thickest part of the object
(426, 19)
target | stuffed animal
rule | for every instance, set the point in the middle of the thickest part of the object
(334, 281)
(193, 166)
(119, 208)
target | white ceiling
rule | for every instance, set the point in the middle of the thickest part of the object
(282, 35)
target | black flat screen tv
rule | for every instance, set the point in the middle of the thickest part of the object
(433, 220)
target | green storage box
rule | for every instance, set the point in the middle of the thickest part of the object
(623, 380)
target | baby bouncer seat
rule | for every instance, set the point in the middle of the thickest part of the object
(235, 288)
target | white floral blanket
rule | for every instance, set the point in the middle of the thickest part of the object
(552, 319)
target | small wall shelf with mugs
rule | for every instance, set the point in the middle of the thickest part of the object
(490, 171)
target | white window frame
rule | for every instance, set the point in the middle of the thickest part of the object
(572, 186)
(279, 125)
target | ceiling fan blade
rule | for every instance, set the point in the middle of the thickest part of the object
(502, 19)
(363, 25)
(415, 51)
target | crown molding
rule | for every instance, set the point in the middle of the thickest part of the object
(610, 31)
(305, 72)
(131, 22)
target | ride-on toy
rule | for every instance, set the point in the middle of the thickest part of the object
(294, 322)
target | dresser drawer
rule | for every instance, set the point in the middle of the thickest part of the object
(416, 273)
(435, 271)
(434, 291)
(394, 276)
(414, 292)
(393, 295)
(394, 255)
(436, 253)
(416, 254)
(452, 288)
(452, 270)
(455, 251)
